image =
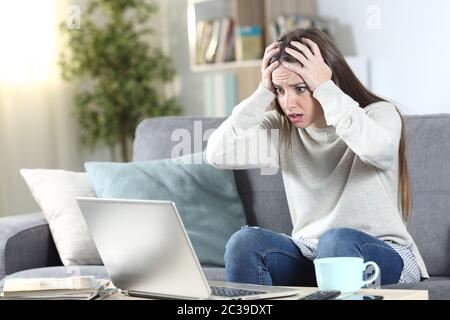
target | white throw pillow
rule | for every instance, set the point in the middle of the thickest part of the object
(55, 192)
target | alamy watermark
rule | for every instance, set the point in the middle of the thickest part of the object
(373, 17)
(238, 149)
(73, 21)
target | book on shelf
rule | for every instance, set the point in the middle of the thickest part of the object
(204, 34)
(200, 35)
(225, 40)
(215, 41)
(73, 288)
(211, 51)
(249, 42)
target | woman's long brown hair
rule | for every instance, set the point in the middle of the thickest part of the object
(347, 81)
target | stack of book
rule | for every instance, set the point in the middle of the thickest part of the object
(71, 288)
(215, 41)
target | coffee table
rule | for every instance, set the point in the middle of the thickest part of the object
(388, 294)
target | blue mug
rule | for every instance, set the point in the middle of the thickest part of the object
(344, 274)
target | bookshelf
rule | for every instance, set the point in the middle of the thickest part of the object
(251, 30)
(243, 13)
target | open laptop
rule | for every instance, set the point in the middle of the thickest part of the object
(147, 253)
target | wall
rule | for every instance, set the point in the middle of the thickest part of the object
(403, 55)
(406, 42)
(188, 85)
(37, 124)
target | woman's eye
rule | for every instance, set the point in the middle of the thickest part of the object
(278, 90)
(301, 89)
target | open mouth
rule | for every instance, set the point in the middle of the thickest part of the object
(295, 116)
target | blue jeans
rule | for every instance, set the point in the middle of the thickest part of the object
(260, 256)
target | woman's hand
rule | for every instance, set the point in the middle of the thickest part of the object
(266, 69)
(313, 70)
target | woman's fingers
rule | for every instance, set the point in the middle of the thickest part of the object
(314, 47)
(272, 67)
(271, 46)
(297, 55)
(267, 67)
(268, 56)
(267, 76)
(267, 73)
(303, 49)
(269, 51)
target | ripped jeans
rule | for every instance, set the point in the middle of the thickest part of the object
(260, 256)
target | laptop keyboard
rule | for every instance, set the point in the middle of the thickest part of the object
(232, 292)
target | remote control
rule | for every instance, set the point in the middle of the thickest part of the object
(322, 295)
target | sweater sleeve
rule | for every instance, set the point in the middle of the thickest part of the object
(248, 139)
(372, 133)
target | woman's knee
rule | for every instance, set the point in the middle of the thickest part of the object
(339, 242)
(243, 242)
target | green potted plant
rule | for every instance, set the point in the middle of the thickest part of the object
(119, 74)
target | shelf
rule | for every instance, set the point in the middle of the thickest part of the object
(226, 66)
(353, 61)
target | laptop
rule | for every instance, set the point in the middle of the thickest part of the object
(147, 253)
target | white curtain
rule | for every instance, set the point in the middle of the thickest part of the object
(37, 125)
(37, 128)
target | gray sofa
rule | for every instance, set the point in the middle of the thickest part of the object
(27, 248)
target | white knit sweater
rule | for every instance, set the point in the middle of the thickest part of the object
(344, 175)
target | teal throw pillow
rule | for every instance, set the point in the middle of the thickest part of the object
(206, 197)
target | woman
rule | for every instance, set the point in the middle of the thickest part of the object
(341, 151)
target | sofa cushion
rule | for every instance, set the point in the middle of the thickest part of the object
(206, 197)
(264, 200)
(55, 192)
(428, 152)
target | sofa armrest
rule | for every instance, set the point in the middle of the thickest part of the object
(25, 243)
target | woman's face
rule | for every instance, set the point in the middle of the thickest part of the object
(296, 99)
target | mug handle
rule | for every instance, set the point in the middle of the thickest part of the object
(375, 275)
